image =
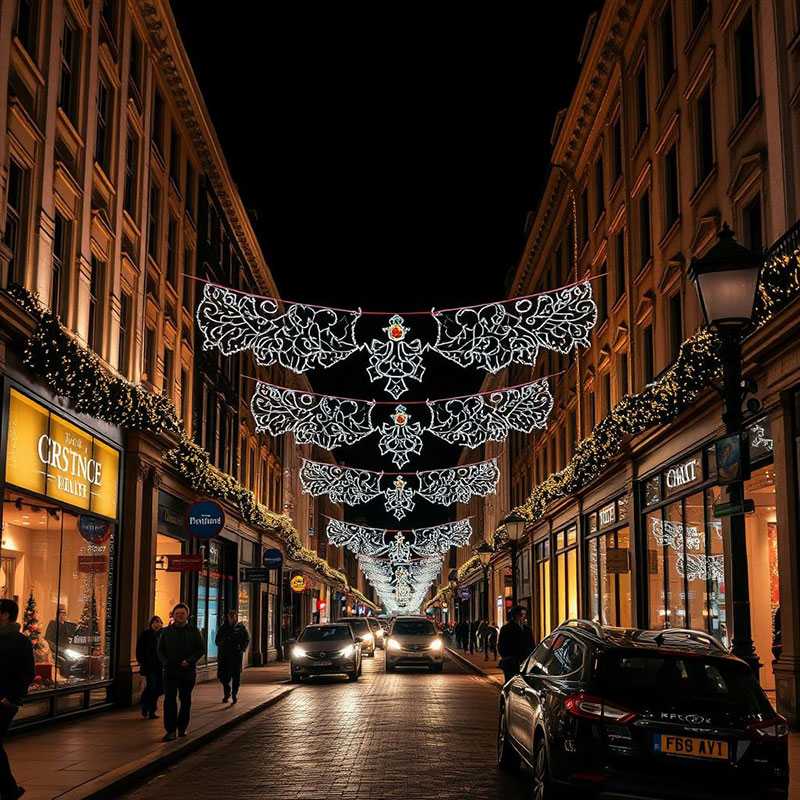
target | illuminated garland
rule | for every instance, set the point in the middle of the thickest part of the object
(73, 371)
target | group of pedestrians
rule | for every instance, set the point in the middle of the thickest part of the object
(477, 635)
(168, 657)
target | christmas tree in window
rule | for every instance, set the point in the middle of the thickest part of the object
(88, 630)
(31, 626)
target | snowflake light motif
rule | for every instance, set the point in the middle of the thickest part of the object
(396, 359)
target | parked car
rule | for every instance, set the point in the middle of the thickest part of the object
(645, 714)
(377, 631)
(413, 642)
(328, 649)
(362, 629)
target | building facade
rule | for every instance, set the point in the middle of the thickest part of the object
(116, 204)
(686, 115)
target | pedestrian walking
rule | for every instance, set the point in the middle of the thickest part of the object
(483, 635)
(150, 667)
(515, 642)
(180, 647)
(492, 637)
(16, 674)
(473, 635)
(462, 634)
(232, 640)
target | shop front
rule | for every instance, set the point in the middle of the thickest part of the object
(60, 529)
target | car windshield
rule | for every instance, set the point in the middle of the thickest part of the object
(665, 682)
(408, 627)
(359, 626)
(325, 633)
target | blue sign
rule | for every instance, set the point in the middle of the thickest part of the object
(272, 558)
(205, 519)
(95, 531)
(465, 594)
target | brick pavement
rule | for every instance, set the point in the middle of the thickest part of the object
(95, 756)
(409, 734)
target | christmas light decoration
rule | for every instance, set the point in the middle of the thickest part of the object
(445, 487)
(695, 566)
(466, 421)
(401, 587)
(396, 359)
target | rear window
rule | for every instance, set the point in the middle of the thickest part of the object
(413, 628)
(669, 682)
(332, 633)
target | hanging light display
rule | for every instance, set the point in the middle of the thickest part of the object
(401, 587)
(350, 486)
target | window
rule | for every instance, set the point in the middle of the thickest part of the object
(153, 216)
(189, 190)
(16, 220)
(599, 188)
(616, 147)
(188, 288)
(105, 110)
(751, 224)
(667, 45)
(584, 209)
(705, 136)
(648, 359)
(149, 353)
(641, 101)
(135, 76)
(70, 67)
(96, 294)
(609, 573)
(565, 657)
(675, 325)
(157, 131)
(745, 54)
(601, 284)
(605, 393)
(567, 574)
(131, 168)
(645, 236)
(125, 328)
(169, 367)
(541, 557)
(620, 265)
(108, 15)
(172, 251)
(698, 9)
(185, 394)
(174, 156)
(26, 24)
(671, 186)
(60, 262)
(623, 375)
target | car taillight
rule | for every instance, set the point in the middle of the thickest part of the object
(773, 729)
(595, 708)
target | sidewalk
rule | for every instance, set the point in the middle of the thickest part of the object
(491, 671)
(99, 756)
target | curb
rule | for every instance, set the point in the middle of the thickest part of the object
(476, 669)
(113, 783)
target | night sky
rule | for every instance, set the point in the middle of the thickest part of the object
(391, 159)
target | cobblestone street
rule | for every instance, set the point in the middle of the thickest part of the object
(410, 734)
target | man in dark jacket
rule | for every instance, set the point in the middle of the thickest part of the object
(473, 635)
(150, 666)
(180, 647)
(515, 642)
(16, 674)
(232, 640)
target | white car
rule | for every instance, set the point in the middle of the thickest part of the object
(413, 642)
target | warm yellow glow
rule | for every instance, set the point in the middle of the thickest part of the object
(298, 652)
(393, 644)
(436, 644)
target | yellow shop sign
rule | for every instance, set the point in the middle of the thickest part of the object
(48, 455)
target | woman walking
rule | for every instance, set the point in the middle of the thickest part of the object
(150, 667)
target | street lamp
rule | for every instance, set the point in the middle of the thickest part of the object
(726, 279)
(485, 551)
(515, 527)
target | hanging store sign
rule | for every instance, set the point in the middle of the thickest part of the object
(733, 458)
(298, 583)
(92, 564)
(617, 561)
(607, 515)
(255, 575)
(205, 519)
(272, 558)
(192, 562)
(53, 457)
(465, 594)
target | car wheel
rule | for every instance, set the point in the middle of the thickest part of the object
(295, 677)
(353, 676)
(542, 788)
(507, 758)
(436, 667)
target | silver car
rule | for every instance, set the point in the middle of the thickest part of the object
(325, 650)
(413, 642)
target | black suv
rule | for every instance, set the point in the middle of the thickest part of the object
(646, 714)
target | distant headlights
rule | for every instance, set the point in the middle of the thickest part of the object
(393, 644)
(347, 652)
(436, 644)
(298, 652)
(367, 638)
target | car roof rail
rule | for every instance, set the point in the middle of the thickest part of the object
(689, 633)
(586, 624)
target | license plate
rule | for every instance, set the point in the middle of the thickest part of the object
(690, 746)
(415, 655)
(323, 663)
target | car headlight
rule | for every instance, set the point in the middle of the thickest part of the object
(436, 644)
(380, 632)
(393, 644)
(348, 651)
(367, 638)
(298, 652)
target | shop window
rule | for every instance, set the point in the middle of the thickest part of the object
(567, 574)
(56, 565)
(609, 566)
(541, 554)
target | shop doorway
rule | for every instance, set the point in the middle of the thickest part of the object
(167, 584)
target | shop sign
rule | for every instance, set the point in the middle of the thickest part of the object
(205, 519)
(192, 562)
(734, 509)
(464, 594)
(683, 475)
(53, 457)
(255, 575)
(617, 561)
(272, 558)
(95, 531)
(298, 583)
(608, 515)
(92, 564)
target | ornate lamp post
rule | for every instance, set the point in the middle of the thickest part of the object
(726, 279)
(515, 527)
(484, 551)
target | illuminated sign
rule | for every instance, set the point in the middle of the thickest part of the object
(683, 474)
(298, 583)
(607, 515)
(205, 519)
(53, 457)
